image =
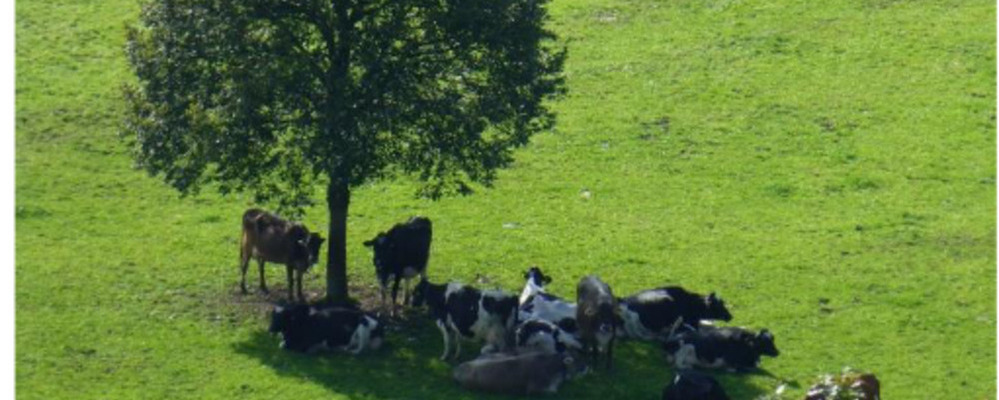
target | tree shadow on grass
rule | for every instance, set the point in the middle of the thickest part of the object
(407, 367)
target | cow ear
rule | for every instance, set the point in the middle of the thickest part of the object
(547, 279)
(712, 298)
(765, 334)
(369, 243)
(527, 274)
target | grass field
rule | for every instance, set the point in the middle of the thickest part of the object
(828, 168)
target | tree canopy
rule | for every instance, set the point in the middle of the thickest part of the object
(276, 98)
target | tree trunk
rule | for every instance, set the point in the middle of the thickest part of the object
(338, 200)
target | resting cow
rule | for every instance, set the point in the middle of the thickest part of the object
(536, 303)
(463, 311)
(651, 314)
(267, 237)
(732, 348)
(306, 328)
(692, 385)
(401, 253)
(545, 336)
(518, 374)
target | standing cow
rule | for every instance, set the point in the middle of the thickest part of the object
(463, 311)
(596, 316)
(401, 253)
(267, 237)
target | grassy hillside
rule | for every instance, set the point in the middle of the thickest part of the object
(827, 167)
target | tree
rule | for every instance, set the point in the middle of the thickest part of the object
(276, 97)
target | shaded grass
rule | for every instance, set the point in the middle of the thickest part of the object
(828, 169)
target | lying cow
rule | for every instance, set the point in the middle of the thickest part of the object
(306, 328)
(849, 385)
(536, 303)
(692, 385)
(463, 311)
(518, 374)
(267, 237)
(544, 336)
(401, 253)
(651, 314)
(596, 314)
(732, 348)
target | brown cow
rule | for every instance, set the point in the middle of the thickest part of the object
(267, 237)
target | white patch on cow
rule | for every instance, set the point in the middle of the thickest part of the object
(653, 296)
(685, 357)
(633, 327)
(447, 342)
(359, 340)
(549, 310)
(409, 272)
(530, 289)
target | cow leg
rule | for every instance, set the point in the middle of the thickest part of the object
(395, 292)
(244, 264)
(457, 343)
(382, 287)
(445, 333)
(405, 292)
(298, 277)
(291, 282)
(610, 353)
(263, 281)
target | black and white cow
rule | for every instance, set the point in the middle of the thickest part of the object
(401, 253)
(462, 311)
(305, 328)
(732, 348)
(545, 336)
(536, 303)
(518, 374)
(692, 385)
(651, 314)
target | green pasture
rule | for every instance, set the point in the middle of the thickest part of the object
(827, 167)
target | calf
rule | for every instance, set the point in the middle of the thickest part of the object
(736, 349)
(518, 374)
(546, 337)
(401, 253)
(691, 385)
(305, 328)
(535, 303)
(463, 311)
(267, 237)
(651, 314)
(596, 314)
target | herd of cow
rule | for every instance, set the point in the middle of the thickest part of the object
(532, 342)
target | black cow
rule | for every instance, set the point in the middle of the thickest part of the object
(596, 316)
(463, 311)
(732, 348)
(306, 328)
(401, 253)
(518, 374)
(692, 385)
(651, 314)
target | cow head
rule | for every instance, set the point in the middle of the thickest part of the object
(285, 316)
(764, 344)
(380, 245)
(315, 242)
(535, 275)
(716, 308)
(420, 292)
